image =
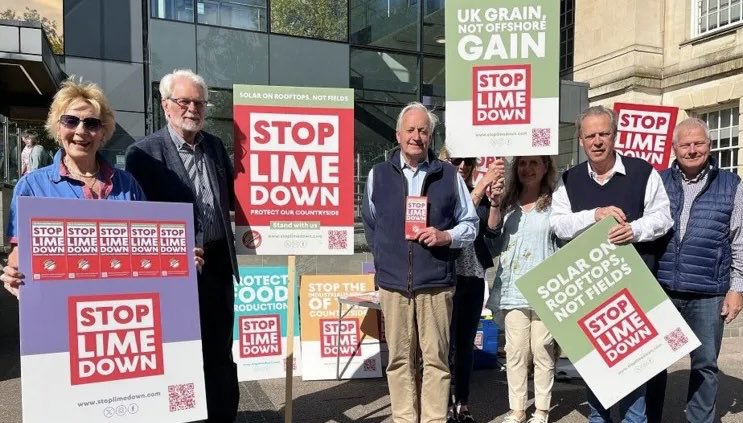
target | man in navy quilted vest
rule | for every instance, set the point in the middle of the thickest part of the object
(416, 276)
(701, 262)
(609, 184)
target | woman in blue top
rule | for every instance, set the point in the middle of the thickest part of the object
(81, 121)
(525, 240)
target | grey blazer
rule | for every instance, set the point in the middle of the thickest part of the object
(157, 166)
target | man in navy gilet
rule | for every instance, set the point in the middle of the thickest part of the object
(609, 184)
(701, 266)
(416, 277)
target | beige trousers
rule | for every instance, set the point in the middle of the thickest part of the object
(527, 337)
(421, 322)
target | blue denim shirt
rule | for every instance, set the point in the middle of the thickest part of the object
(50, 181)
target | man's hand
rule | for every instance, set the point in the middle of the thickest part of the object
(198, 258)
(621, 234)
(731, 306)
(602, 212)
(432, 237)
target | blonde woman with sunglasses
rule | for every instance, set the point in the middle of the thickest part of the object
(81, 121)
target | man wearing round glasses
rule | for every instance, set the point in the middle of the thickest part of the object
(609, 184)
(182, 163)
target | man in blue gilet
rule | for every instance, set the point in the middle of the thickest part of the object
(415, 272)
(701, 266)
(609, 184)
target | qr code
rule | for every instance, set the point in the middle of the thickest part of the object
(540, 137)
(676, 339)
(370, 365)
(337, 240)
(181, 397)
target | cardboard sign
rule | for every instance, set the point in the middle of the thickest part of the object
(99, 342)
(609, 314)
(502, 80)
(646, 132)
(294, 160)
(355, 338)
(261, 305)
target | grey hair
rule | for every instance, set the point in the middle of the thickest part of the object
(593, 111)
(689, 123)
(166, 83)
(415, 105)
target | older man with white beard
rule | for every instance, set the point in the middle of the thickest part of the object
(182, 163)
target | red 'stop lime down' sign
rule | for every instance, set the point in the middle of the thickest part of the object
(646, 132)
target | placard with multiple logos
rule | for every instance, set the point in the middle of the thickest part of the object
(352, 341)
(109, 313)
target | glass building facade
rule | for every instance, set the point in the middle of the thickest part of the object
(390, 52)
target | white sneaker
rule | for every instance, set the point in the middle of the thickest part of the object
(538, 418)
(513, 419)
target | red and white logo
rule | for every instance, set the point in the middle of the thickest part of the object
(173, 251)
(49, 250)
(83, 260)
(618, 327)
(501, 95)
(145, 249)
(114, 249)
(345, 336)
(260, 336)
(114, 337)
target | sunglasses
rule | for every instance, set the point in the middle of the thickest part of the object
(90, 124)
(468, 161)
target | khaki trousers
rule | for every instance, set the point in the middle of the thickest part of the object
(421, 322)
(527, 337)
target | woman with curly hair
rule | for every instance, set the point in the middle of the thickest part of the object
(525, 241)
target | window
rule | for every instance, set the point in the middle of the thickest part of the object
(433, 26)
(433, 82)
(724, 133)
(328, 20)
(712, 15)
(384, 77)
(243, 14)
(567, 32)
(393, 24)
(175, 10)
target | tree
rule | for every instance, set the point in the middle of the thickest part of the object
(324, 19)
(56, 39)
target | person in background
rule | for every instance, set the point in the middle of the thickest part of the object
(33, 155)
(81, 121)
(416, 277)
(525, 240)
(469, 295)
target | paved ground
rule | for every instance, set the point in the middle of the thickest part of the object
(367, 400)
